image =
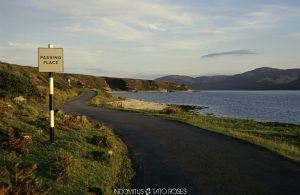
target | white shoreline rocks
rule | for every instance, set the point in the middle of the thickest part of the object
(138, 104)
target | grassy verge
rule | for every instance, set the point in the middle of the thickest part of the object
(283, 139)
(86, 157)
(280, 138)
(103, 99)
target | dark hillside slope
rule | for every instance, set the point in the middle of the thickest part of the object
(65, 81)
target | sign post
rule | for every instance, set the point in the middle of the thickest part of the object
(51, 106)
(51, 60)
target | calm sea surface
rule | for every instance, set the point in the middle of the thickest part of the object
(272, 106)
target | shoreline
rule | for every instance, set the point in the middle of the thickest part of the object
(192, 109)
(150, 91)
(280, 138)
(183, 107)
(219, 109)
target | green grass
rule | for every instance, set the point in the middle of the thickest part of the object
(283, 139)
(86, 157)
(103, 99)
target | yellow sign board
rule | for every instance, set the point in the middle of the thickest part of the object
(51, 59)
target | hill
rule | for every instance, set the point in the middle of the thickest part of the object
(259, 79)
(66, 81)
(86, 158)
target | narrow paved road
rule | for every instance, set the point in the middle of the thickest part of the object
(168, 154)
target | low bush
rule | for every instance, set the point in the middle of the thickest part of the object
(171, 109)
(13, 85)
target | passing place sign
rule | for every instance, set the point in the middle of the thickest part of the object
(51, 60)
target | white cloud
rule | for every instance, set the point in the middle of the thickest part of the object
(263, 19)
(131, 11)
(153, 27)
(24, 53)
(81, 55)
(74, 28)
(140, 32)
(159, 25)
(19, 45)
(111, 29)
(3, 59)
(137, 21)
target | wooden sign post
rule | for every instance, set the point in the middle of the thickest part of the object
(51, 60)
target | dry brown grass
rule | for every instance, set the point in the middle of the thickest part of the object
(61, 167)
(65, 121)
(22, 181)
(4, 109)
(16, 143)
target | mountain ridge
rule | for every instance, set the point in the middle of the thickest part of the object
(264, 78)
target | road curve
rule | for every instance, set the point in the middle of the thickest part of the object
(169, 154)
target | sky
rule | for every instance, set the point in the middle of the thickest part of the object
(152, 38)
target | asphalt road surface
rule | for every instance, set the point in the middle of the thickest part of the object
(168, 155)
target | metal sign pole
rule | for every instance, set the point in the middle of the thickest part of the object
(51, 104)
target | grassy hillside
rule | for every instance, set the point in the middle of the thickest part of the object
(69, 81)
(86, 157)
(26, 81)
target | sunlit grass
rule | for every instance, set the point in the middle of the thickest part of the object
(283, 139)
(74, 164)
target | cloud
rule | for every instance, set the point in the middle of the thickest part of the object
(74, 28)
(153, 27)
(148, 23)
(159, 24)
(111, 28)
(23, 45)
(213, 32)
(3, 59)
(263, 18)
(135, 32)
(96, 70)
(235, 52)
(129, 11)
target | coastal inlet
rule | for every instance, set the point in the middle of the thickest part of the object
(267, 106)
